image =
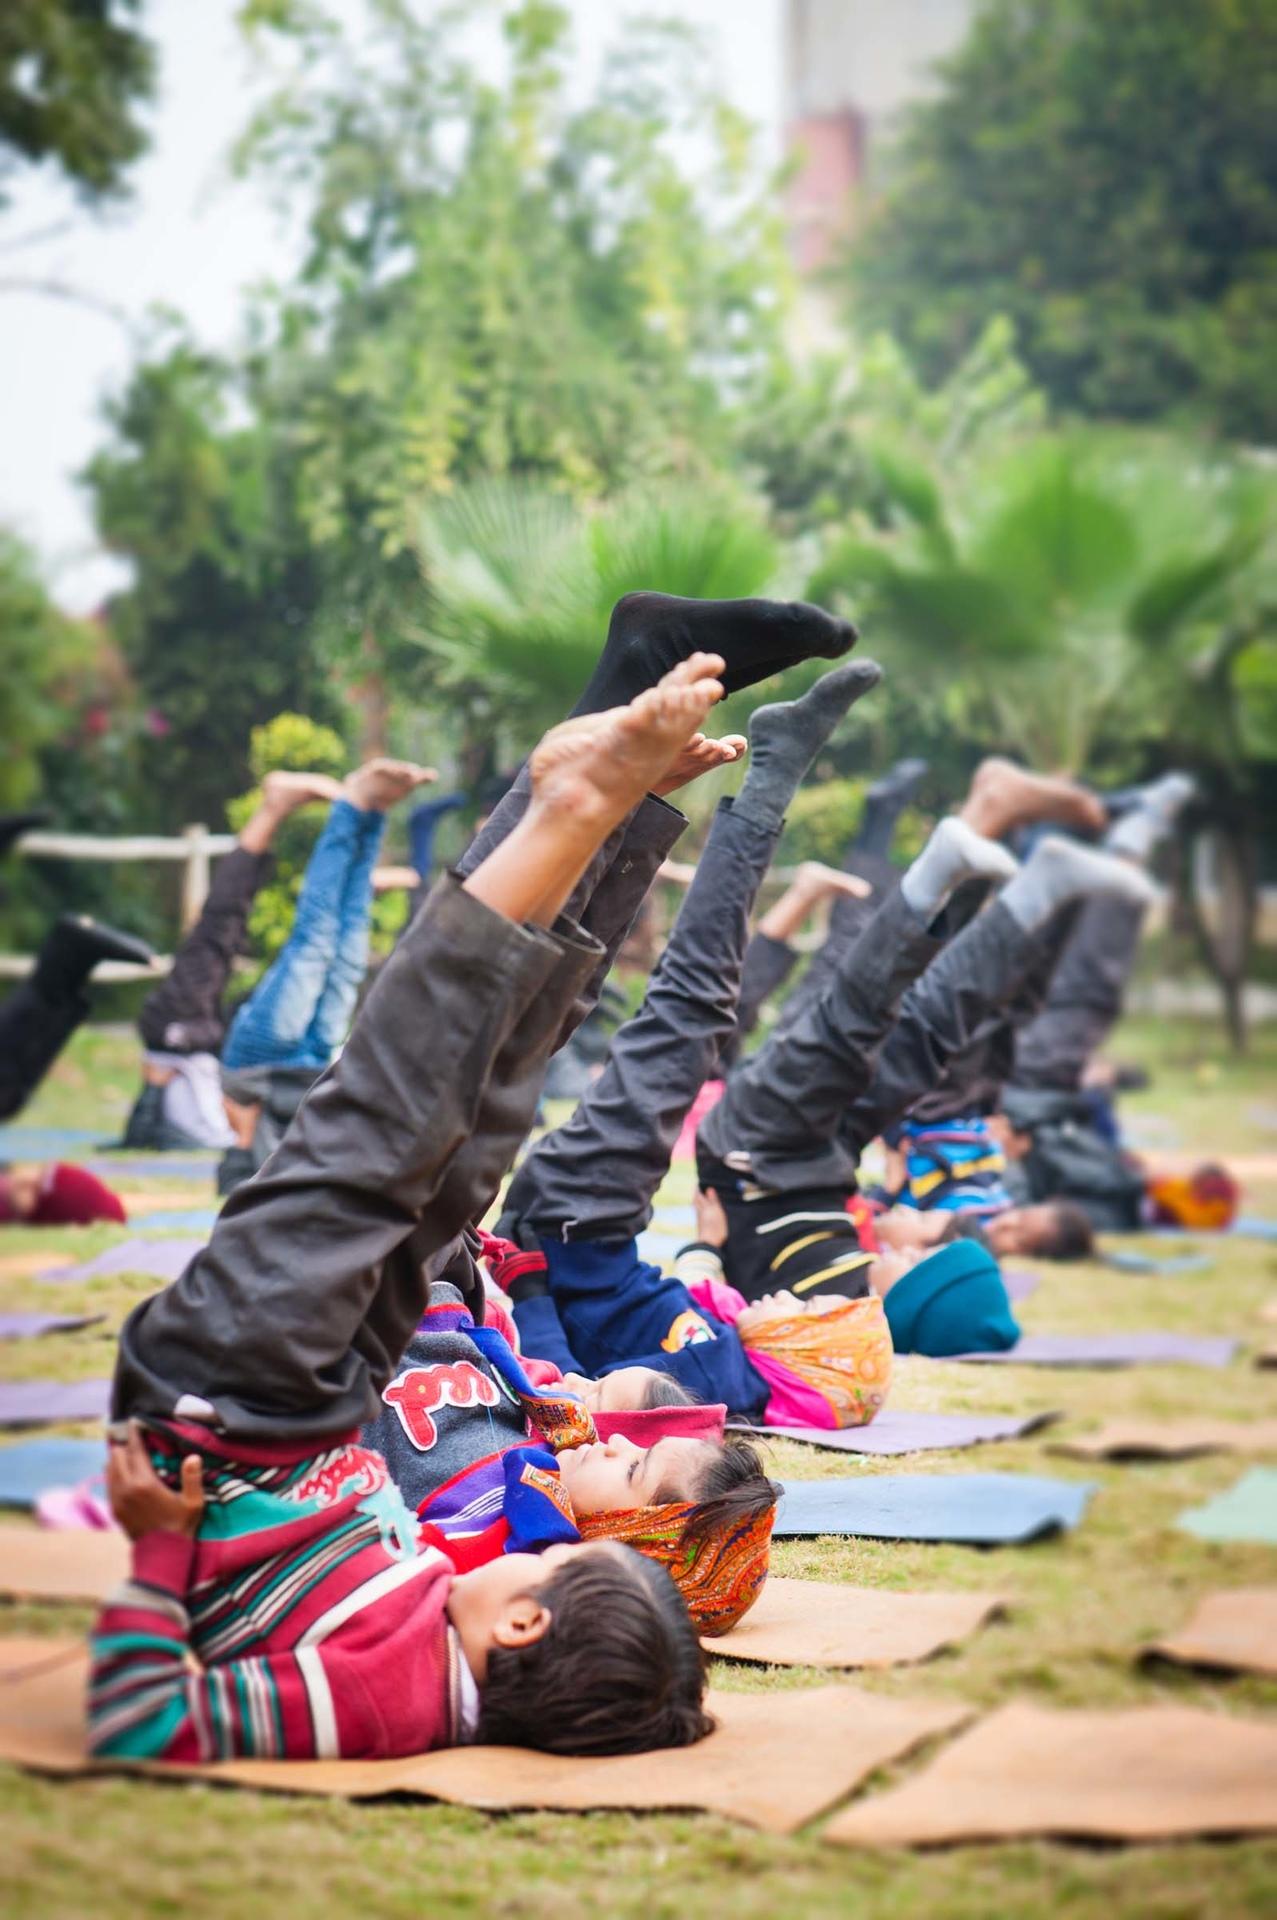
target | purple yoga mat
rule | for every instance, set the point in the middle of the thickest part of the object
(1111, 1350)
(37, 1403)
(162, 1259)
(897, 1431)
(1020, 1285)
(23, 1326)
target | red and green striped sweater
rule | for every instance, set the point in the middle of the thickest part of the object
(320, 1629)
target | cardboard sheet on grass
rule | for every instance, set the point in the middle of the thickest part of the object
(40, 1403)
(1235, 1631)
(966, 1509)
(32, 1467)
(776, 1760)
(795, 1623)
(1170, 1439)
(1111, 1350)
(1248, 1511)
(1144, 1773)
(895, 1430)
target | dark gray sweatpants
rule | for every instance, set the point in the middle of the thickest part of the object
(295, 1315)
(594, 1177)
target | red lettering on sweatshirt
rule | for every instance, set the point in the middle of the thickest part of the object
(417, 1393)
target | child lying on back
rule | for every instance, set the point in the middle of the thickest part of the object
(495, 1465)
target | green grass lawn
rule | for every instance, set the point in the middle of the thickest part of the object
(1080, 1609)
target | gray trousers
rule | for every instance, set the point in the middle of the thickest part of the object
(594, 1177)
(295, 1315)
(780, 1118)
(612, 889)
(941, 1021)
(1084, 1000)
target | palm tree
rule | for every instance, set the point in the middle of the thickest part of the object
(1075, 589)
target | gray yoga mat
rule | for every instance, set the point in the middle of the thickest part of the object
(42, 1143)
(1111, 1350)
(26, 1326)
(896, 1431)
(161, 1259)
(40, 1403)
(967, 1509)
(1020, 1285)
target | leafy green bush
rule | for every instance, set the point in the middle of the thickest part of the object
(297, 745)
(823, 819)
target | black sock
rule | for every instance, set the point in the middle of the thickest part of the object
(14, 825)
(885, 801)
(73, 948)
(651, 632)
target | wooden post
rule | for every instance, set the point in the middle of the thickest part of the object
(194, 875)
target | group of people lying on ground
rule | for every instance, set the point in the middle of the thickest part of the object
(396, 1482)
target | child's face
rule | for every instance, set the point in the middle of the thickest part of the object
(614, 1476)
(783, 1306)
(499, 1605)
(623, 1391)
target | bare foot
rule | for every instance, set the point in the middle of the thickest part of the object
(395, 879)
(283, 793)
(1003, 796)
(815, 878)
(702, 756)
(379, 784)
(597, 767)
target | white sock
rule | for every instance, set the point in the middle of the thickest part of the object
(954, 853)
(1060, 870)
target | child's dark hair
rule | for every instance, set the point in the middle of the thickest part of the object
(619, 1669)
(1072, 1235)
(663, 1390)
(963, 1226)
(730, 1488)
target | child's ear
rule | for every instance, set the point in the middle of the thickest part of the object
(521, 1622)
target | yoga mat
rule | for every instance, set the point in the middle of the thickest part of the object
(1128, 1260)
(1250, 1227)
(1235, 1631)
(1021, 1285)
(1248, 1511)
(675, 1220)
(33, 1467)
(39, 1403)
(25, 1326)
(1170, 1439)
(161, 1259)
(897, 1431)
(80, 1564)
(187, 1220)
(1141, 1773)
(775, 1761)
(41, 1143)
(816, 1623)
(968, 1509)
(153, 1166)
(1110, 1350)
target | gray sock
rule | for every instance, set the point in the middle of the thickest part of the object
(954, 853)
(785, 738)
(1060, 870)
(1138, 834)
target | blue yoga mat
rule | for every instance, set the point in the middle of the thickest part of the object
(1252, 1228)
(196, 1220)
(154, 1166)
(32, 1467)
(1130, 1260)
(967, 1509)
(42, 1143)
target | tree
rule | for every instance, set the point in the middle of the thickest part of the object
(521, 584)
(74, 75)
(1105, 173)
(217, 627)
(43, 654)
(496, 283)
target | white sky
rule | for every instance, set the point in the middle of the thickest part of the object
(191, 240)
